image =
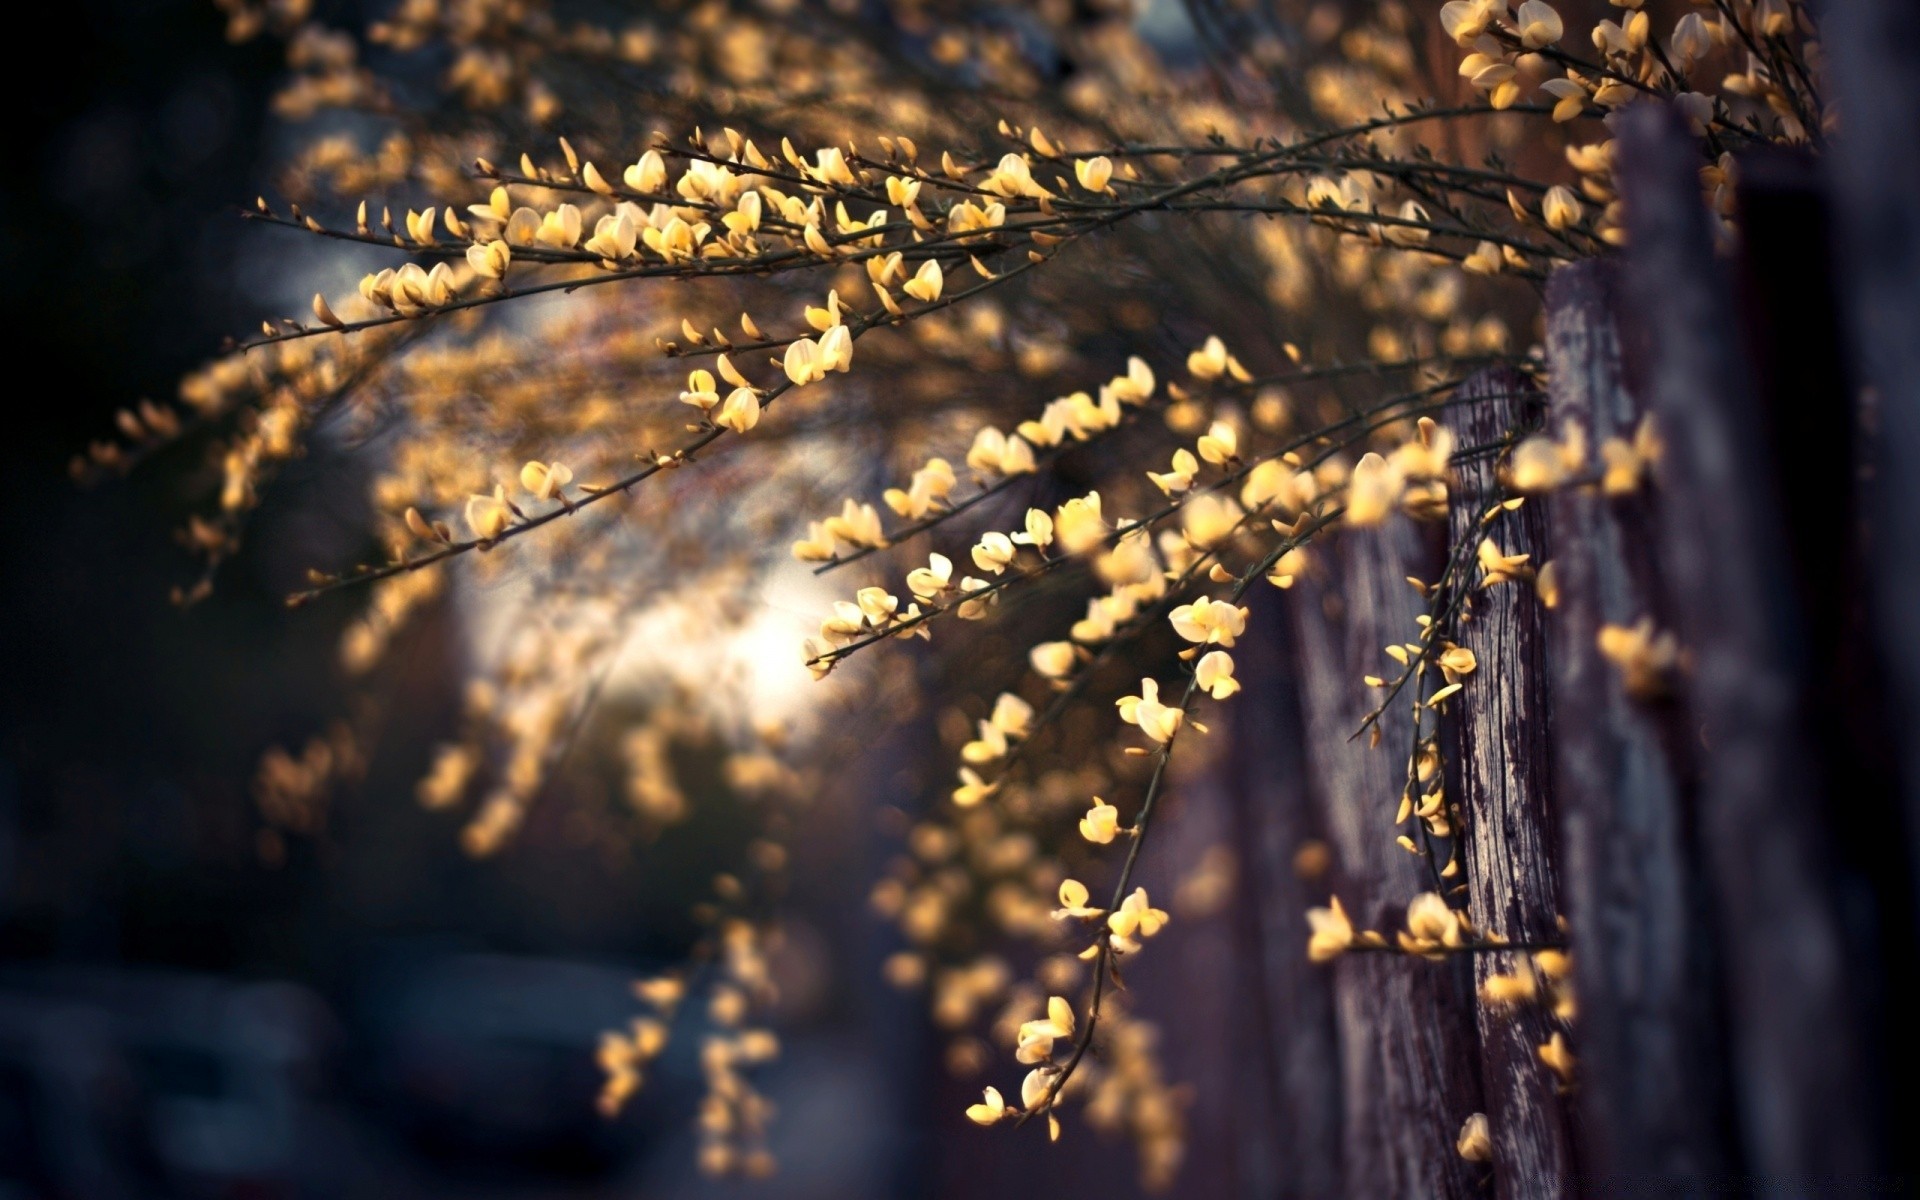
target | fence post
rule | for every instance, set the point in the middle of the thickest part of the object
(1652, 1093)
(1797, 1053)
(1408, 1069)
(1499, 750)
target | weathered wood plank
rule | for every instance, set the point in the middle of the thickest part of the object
(1292, 1085)
(1408, 1067)
(1815, 436)
(1797, 1055)
(1499, 749)
(1874, 48)
(1652, 1094)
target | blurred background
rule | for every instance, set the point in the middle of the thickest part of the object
(187, 1009)
(191, 1005)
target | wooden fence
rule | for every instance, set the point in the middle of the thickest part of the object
(1728, 857)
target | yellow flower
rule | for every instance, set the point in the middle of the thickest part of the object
(1101, 824)
(1486, 259)
(1373, 490)
(926, 282)
(1209, 519)
(836, 349)
(1034, 1088)
(1011, 715)
(802, 362)
(1039, 530)
(1034, 1043)
(1646, 660)
(993, 552)
(1456, 662)
(1541, 464)
(1078, 525)
(992, 1109)
(488, 516)
(1136, 386)
(1475, 1143)
(1560, 207)
(1558, 1058)
(489, 258)
(420, 226)
(933, 579)
(1052, 659)
(991, 744)
(1158, 721)
(994, 451)
(1502, 990)
(648, 175)
(1288, 568)
(1211, 361)
(560, 228)
(830, 166)
(1331, 932)
(814, 655)
(1498, 567)
(930, 485)
(1209, 622)
(1268, 481)
(1220, 445)
(1627, 462)
(1466, 20)
(1426, 456)
(1012, 177)
(664, 992)
(614, 236)
(741, 411)
(1431, 925)
(903, 192)
(1180, 478)
(1073, 902)
(324, 311)
(701, 391)
(1093, 173)
(1691, 40)
(1136, 916)
(876, 605)
(1415, 234)
(857, 525)
(1214, 673)
(499, 207)
(1539, 24)
(1569, 98)
(972, 789)
(545, 480)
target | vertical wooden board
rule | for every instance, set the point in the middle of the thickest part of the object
(1196, 989)
(1874, 49)
(1652, 1092)
(1290, 1086)
(1798, 1059)
(1501, 754)
(1408, 1068)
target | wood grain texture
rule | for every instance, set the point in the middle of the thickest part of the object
(1653, 1094)
(1408, 1069)
(1499, 749)
(1796, 1048)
